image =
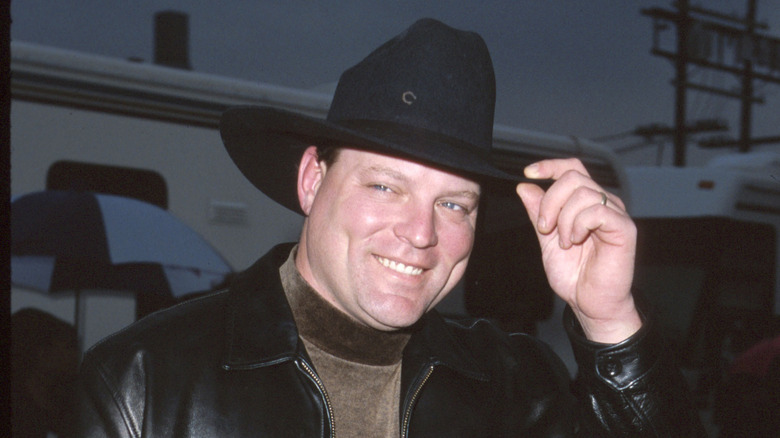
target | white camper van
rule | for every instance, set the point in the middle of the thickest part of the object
(151, 131)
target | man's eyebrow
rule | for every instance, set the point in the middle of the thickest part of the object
(384, 170)
(466, 194)
(389, 171)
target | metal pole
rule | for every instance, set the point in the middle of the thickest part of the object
(747, 80)
(683, 25)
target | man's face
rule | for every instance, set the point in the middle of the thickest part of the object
(385, 239)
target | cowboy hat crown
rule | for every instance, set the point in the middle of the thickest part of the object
(427, 95)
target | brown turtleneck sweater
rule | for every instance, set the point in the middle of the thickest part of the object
(359, 366)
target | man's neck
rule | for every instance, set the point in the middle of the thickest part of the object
(333, 331)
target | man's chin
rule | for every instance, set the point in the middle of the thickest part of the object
(396, 321)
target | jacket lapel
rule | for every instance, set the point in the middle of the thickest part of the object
(435, 344)
(260, 329)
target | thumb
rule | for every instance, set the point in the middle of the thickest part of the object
(531, 196)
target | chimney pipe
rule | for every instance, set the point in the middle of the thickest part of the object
(171, 39)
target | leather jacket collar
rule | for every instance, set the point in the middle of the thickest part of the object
(260, 329)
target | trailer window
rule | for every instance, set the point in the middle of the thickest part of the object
(142, 184)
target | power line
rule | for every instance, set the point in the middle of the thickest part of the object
(705, 42)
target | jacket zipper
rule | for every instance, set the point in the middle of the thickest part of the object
(316, 379)
(410, 405)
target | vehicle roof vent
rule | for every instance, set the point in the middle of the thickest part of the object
(171, 39)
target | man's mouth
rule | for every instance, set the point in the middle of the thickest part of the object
(399, 267)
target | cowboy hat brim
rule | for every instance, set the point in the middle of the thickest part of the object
(267, 144)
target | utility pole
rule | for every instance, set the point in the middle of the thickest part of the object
(706, 42)
(681, 73)
(747, 81)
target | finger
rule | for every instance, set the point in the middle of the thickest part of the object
(613, 201)
(607, 225)
(575, 204)
(572, 185)
(554, 168)
(585, 198)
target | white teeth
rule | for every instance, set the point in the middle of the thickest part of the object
(399, 267)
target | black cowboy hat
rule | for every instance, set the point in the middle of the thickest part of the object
(427, 95)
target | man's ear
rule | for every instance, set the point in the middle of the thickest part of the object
(310, 173)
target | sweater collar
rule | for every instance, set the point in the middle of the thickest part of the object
(261, 329)
(332, 330)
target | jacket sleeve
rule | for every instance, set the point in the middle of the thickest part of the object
(633, 388)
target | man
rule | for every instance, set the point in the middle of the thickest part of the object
(338, 336)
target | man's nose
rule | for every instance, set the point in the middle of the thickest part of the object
(418, 227)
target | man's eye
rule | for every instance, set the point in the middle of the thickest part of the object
(381, 187)
(453, 206)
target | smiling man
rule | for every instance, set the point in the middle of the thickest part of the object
(337, 335)
(384, 239)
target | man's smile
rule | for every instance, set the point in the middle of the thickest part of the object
(399, 267)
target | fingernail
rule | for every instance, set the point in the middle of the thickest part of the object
(532, 170)
(542, 224)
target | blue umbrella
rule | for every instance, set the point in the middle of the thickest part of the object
(72, 241)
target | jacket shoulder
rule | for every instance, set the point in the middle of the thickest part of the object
(196, 323)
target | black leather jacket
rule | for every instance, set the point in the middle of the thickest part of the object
(230, 364)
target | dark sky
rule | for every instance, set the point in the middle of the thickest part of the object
(562, 66)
